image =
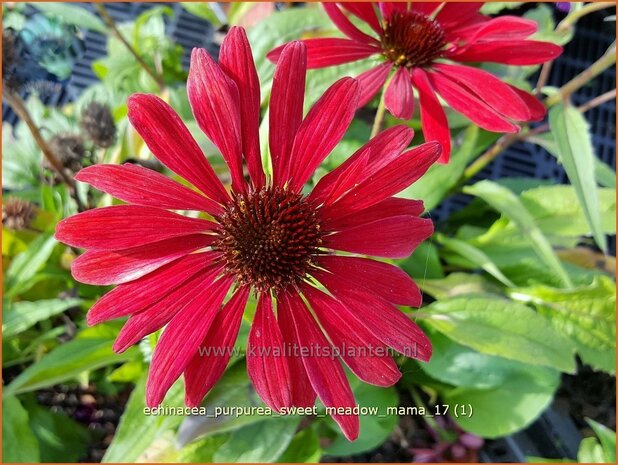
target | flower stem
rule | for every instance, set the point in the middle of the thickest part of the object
(575, 16)
(507, 140)
(379, 118)
(21, 110)
(109, 21)
(607, 60)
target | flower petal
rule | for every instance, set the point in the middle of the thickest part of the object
(236, 61)
(504, 27)
(452, 14)
(461, 99)
(488, 88)
(393, 206)
(371, 81)
(171, 142)
(345, 25)
(160, 313)
(325, 373)
(104, 267)
(181, 339)
(205, 369)
(394, 237)
(323, 52)
(399, 98)
(535, 106)
(361, 351)
(509, 52)
(366, 12)
(140, 186)
(215, 102)
(126, 226)
(433, 119)
(387, 323)
(286, 107)
(301, 391)
(383, 279)
(137, 295)
(266, 363)
(322, 129)
(370, 158)
(387, 181)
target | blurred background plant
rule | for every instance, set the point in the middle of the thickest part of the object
(519, 279)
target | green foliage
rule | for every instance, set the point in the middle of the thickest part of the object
(72, 14)
(19, 444)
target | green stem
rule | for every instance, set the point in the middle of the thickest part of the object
(606, 61)
(379, 118)
(575, 16)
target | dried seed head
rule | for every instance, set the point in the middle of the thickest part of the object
(98, 124)
(9, 60)
(411, 39)
(70, 150)
(268, 238)
(17, 214)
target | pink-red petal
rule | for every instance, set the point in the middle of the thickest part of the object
(286, 107)
(391, 326)
(181, 339)
(141, 186)
(463, 100)
(215, 101)
(509, 52)
(394, 237)
(236, 61)
(366, 12)
(207, 367)
(345, 25)
(433, 119)
(322, 129)
(266, 362)
(361, 351)
(323, 52)
(104, 267)
(455, 13)
(137, 295)
(371, 81)
(383, 279)
(399, 98)
(392, 206)
(126, 226)
(171, 142)
(325, 373)
(535, 106)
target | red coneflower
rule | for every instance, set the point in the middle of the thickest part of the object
(265, 237)
(420, 42)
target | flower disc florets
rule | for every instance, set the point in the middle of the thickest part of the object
(412, 39)
(269, 237)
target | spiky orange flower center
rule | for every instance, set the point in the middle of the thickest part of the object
(268, 238)
(411, 39)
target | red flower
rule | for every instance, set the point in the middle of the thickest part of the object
(264, 236)
(420, 41)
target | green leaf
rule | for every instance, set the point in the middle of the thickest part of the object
(476, 256)
(461, 366)
(73, 14)
(20, 316)
(572, 136)
(501, 327)
(211, 12)
(585, 314)
(66, 362)
(25, 265)
(607, 438)
(18, 442)
(424, 263)
(458, 284)
(259, 442)
(136, 430)
(505, 409)
(374, 428)
(304, 448)
(590, 451)
(440, 179)
(503, 200)
(61, 439)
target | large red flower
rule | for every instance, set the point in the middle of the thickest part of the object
(420, 42)
(265, 237)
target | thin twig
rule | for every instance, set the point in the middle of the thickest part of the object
(575, 16)
(112, 25)
(20, 109)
